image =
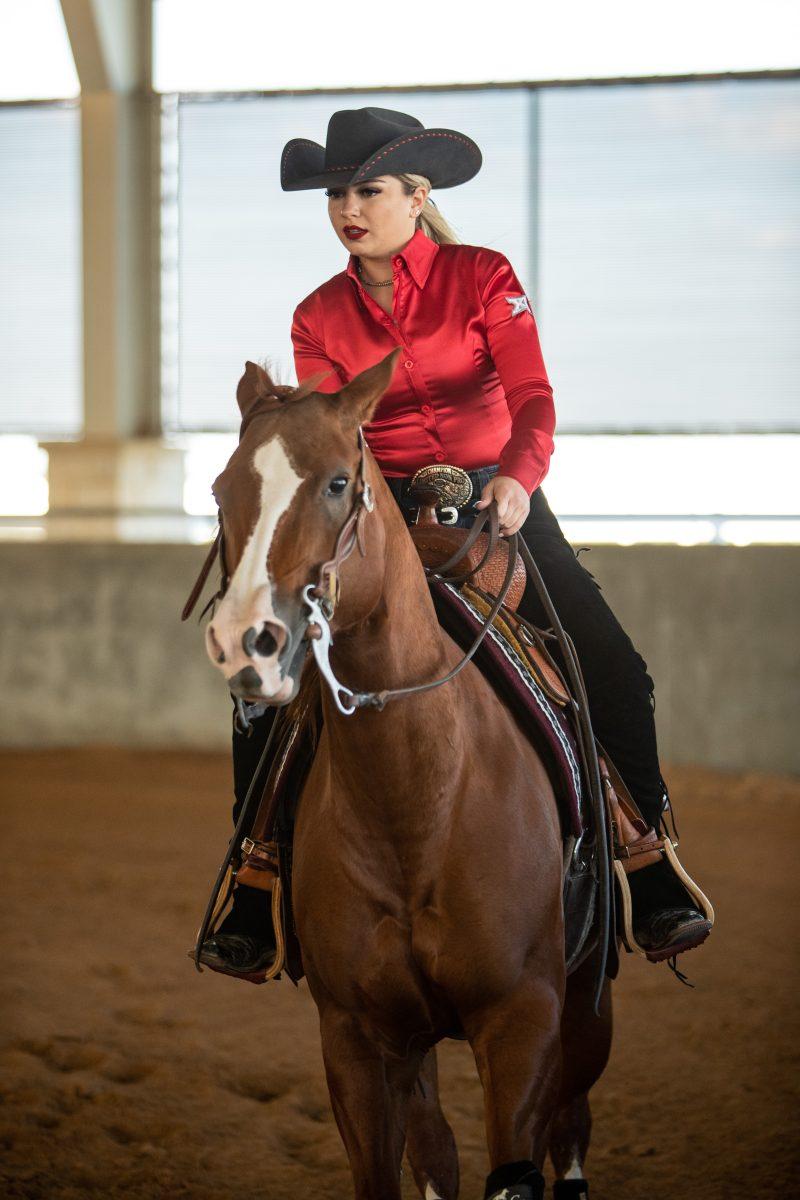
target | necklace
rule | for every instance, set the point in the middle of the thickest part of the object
(366, 282)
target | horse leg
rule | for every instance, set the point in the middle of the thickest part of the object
(569, 1145)
(369, 1094)
(586, 1043)
(430, 1145)
(518, 1054)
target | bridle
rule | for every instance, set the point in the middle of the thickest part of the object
(321, 596)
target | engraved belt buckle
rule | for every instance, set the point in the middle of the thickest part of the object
(452, 485)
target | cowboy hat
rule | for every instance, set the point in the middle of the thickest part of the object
(365, 142)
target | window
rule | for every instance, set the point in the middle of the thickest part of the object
(203, 45)
(670, 255)
(35, 57)
(40, 252)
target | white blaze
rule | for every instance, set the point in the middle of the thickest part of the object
(249, 600)
(279, 482)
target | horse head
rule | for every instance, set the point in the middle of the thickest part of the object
(284, 497)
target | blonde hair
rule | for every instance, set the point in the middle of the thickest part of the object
(430, 220)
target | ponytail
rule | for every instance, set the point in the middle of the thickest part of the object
(430, 220)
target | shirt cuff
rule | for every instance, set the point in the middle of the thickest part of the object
(528, 464)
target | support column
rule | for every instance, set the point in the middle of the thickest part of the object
(121, 465)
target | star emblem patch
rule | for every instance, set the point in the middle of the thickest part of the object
(519, 304)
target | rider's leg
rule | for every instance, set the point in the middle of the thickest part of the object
(619, 689)
(245, 940)
(621, 704)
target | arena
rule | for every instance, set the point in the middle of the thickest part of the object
(148, 252)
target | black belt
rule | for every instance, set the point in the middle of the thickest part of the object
(400, 487)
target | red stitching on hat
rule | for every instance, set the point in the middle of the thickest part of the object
(292, 146)
(417, 136)
(371, 162)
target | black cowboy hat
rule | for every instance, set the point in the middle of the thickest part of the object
(365, 142)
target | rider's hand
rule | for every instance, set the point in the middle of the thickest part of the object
(513, 502)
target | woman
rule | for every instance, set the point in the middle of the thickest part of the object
(470, 390)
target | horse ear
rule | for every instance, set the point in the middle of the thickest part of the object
(254, 384)
(359, 399)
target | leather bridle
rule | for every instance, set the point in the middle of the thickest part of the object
(322, 596)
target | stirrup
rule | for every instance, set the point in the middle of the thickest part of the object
(637, 846)
(700, 900)
(262, 859)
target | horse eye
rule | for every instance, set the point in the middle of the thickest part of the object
(337, 485)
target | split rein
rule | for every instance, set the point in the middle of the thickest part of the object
(321, 597)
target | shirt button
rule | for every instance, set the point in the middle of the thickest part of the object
(439, 456)
(408, 363)
(426, 408)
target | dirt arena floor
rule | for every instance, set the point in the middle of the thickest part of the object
(127, 1074)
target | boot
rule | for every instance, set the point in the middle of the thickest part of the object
(244, 945)
(665, 918)
(663, 911)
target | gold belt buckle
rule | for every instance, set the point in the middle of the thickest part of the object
(452, 485)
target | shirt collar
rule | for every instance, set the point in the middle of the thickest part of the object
(418, 256)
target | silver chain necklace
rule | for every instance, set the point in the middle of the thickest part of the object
(383, 283)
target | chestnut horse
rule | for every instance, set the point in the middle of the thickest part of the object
(427, 880)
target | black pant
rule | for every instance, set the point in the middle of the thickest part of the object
(619, 689)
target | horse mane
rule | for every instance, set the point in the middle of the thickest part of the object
(306, 704)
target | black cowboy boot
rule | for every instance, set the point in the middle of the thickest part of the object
(244, 945)
(662, 911)
(666, 920)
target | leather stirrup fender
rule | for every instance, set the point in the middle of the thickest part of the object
(636, 844)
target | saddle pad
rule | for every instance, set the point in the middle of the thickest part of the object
(544, 722)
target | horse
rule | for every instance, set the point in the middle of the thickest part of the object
(428, 856)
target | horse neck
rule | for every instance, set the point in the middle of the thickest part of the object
(381, 754)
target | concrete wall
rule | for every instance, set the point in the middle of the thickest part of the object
(92, 648)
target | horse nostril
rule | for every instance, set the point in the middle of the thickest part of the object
(219, 653)
(266, 642)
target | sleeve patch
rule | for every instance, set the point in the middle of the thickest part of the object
(519, 304)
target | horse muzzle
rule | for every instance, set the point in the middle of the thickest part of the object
(254, 655)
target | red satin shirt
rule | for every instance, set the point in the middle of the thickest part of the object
(470, 387)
